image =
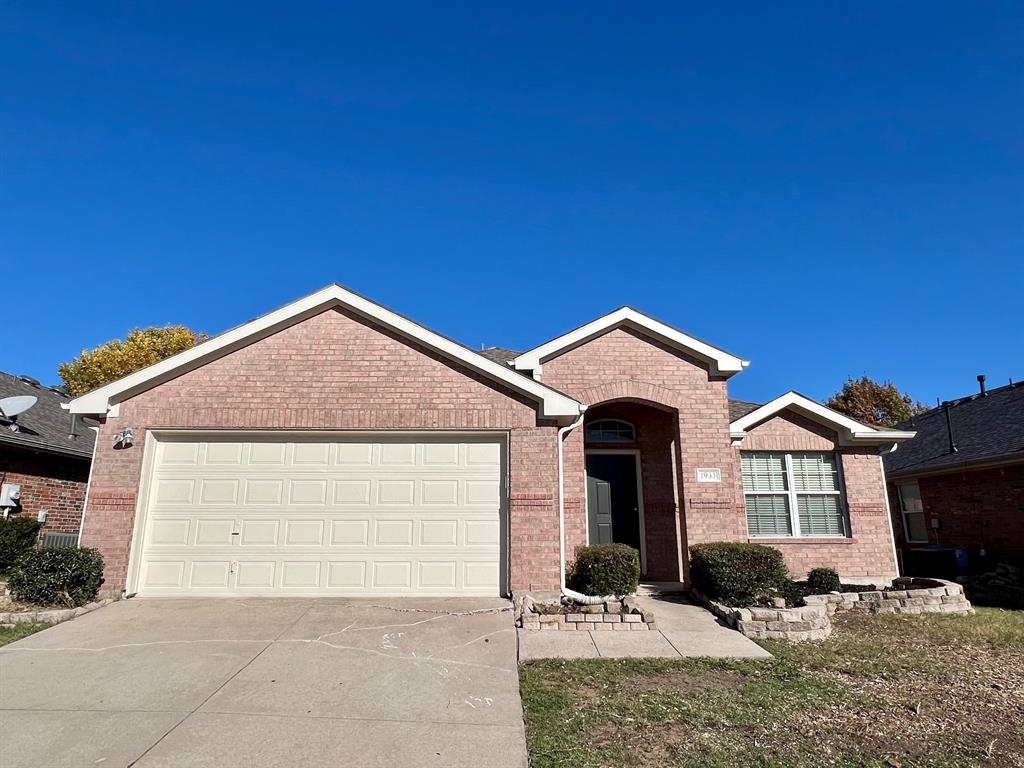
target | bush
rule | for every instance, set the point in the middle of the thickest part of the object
(17, 536)
(63, 576)
(737, 574)
(821, 580)
(606, 569)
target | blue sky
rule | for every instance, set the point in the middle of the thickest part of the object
(823, 188)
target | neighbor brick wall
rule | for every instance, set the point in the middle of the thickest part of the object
(625, 365)
(54, 483)
(975, 508)
(869, 552)
(335, 371)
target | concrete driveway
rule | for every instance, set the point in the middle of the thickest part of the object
(267, 682)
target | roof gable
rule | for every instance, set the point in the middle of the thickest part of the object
(850, 431)
(720, 362)
(102, 400)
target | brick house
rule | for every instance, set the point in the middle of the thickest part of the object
(49, 459)
(336, 447)
(960, 481)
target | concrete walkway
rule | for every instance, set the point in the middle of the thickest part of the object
(684, 629)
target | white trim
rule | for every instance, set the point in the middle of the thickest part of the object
(101, 400)
(722, 363)
(851, 432)
(635, 452)
(154, 436)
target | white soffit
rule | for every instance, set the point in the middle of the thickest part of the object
(99, 401)
(850, 431)
(721, 362)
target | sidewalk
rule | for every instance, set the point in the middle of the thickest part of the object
(684, 629)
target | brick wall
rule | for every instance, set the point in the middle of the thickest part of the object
(868, 554)
(336, 371)
(54, 483)
(982, 508)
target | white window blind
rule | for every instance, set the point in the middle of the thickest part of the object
(793, 494)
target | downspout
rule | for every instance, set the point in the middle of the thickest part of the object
(566, 592)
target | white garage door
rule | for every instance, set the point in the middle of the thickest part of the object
(376, 515)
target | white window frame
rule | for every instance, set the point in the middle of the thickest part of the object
(903, 514)
(792, 495)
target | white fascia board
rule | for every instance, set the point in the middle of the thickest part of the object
(722, 363)
(851, 431)
(99, 401)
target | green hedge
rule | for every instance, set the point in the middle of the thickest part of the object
(737, 574)
(822, 580)
(17, 536)
(605, 569)
(63, 576)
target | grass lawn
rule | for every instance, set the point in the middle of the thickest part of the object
(891, 691)
(18, 631)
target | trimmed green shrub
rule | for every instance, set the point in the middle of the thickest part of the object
(794, 593)
(17, 536)
(63, 576)
(821, 580)
(605, 569)
(737, 574)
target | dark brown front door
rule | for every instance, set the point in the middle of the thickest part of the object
(612, 505)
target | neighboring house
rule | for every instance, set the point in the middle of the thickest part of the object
(336, 447)
(960, 481)
(49, 459)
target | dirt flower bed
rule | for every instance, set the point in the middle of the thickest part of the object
(894, 691)
(9, 605)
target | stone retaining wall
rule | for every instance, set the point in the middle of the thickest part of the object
(925, 596)
(811, 622)
(619, 616)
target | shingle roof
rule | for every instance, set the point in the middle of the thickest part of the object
(984, 429)
(740, 408)
(45, 426)
(499, 354)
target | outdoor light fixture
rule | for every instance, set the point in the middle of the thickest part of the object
(124, 438)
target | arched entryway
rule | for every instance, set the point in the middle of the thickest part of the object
(631, 462)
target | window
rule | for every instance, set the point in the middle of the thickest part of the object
(793, 494)
(610, 431)
(914, 529)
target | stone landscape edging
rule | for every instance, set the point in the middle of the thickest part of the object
(613, 615)
(812, 621)
(52, 615)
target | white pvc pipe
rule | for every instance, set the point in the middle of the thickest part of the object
(572, 595)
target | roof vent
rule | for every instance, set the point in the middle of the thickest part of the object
(949, 427)
(981, 384)
(29, 380)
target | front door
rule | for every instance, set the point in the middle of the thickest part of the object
(613, 507)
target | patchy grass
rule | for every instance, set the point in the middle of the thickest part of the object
(18, 631)
(889, 691)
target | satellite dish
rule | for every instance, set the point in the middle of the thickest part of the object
(12, 406)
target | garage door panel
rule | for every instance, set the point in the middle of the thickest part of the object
(214, 531)
(394, 516)
(256, 575)
(259, 533)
